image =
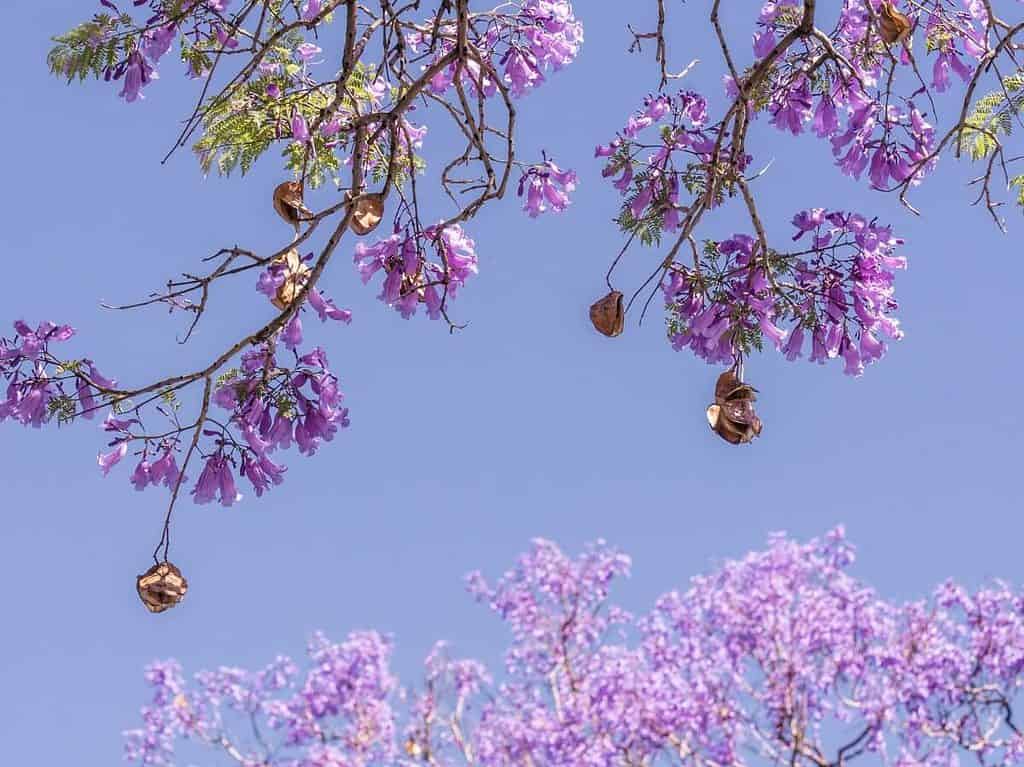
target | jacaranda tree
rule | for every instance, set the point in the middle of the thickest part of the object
(345, 91)
(779, 658)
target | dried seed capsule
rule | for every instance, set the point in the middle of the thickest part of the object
(893, 26)
(367, 213)
(161, 587)
(608, 315)
(732, 416)
(296, 272)
(289, 204)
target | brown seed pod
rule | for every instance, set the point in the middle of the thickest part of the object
(732, 415)
(893, 26)
(296, 272)
(608, 315)
(367, 213)
(161, 587)
(289, 204)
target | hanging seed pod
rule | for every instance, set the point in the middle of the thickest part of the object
(296, 272)
(608, 316)
(893, 26)
(289, 204)
(732, 415)
(367, 213)
(161, 587)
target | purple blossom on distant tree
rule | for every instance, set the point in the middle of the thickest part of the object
(780, 657)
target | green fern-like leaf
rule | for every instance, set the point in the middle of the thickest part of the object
(91, 48)
(1017, 183)
(993, 115)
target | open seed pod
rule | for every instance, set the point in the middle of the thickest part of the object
(295, 275)
(893, 26)
(732, 415)
(161, 587)
(608, 315)
(289, 204)
(367, 213)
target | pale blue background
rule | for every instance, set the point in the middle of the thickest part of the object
(462, 448)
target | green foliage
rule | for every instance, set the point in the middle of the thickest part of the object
(69, 366)
(227, 376)
(993, 115)
(241, 125)
(170, 399)
(120, 407)
(1017, 183)
(286, 406)
(64, 407)
(92, 47)
(648, 228)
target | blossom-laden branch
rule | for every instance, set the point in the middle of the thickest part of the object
(781, 657)
(861, 86)
(344, 117)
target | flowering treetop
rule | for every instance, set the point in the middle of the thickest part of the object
(781, 657)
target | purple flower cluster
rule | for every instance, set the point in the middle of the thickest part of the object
(546, 186)
(653, 174)
(853, 99)
(426, 267)
(839, 292)
(198, 22)
(519, 46)
(39, 385)
(780, 656)
(271, 408)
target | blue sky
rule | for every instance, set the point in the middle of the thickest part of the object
(463, 448)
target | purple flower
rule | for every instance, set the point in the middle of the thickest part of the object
(826, 121)
(138, 73)
(107, 461)
(791, 108)
(546, 185)
(300, 130)
(216, 480)
(307, 51)
(326, 309)
(226, 40)
(774, 333)
(292, 334)
(311, 11)
(794, 346)
(141, 478)
(764, 43)
(157, 42)
(262, 472)
(164, 470)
